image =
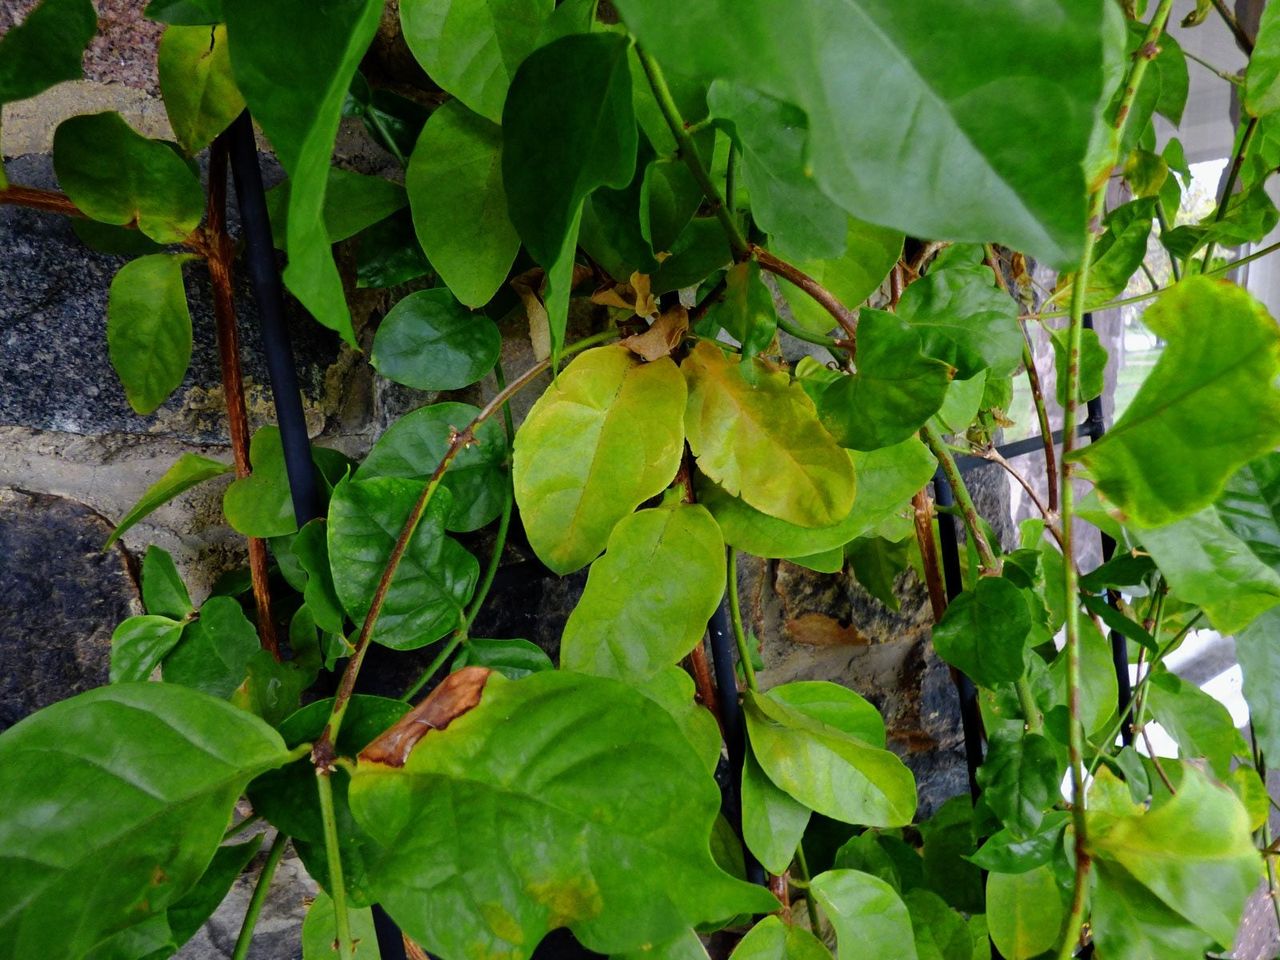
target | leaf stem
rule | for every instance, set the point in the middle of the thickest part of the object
(241, 825)
(820, 294)
(968, 512)
(815, 922)
(260, 890)
(333, 854)
(1075, 745)
(735, 617)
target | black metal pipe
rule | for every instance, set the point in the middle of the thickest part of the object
(260, 259)
(720, 632)
(970, 715)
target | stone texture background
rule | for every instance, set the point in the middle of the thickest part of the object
(74, 458)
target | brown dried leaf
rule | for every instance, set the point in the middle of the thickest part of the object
(455, 695)
(529, 287)
(662, 337)
(636, 295)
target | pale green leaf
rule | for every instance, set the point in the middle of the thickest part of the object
(603, 438)
(149, 328)
(648, 599)
(294, 68)
(46, 48)
(1200, 725)
(869, 254)
(189, 470)
(319, 931)
(1025, 912)
(757, 435)
(512, 658)
(1262, 77)
(772, 820)
(940, 932)
(200, 95)
(1207, 407)
(459, 205)
(746, 310)
(1020, 779)
(534, 856)
(868, 915)
(116, 175)
(1093, 365)
(771, 939)
(115, 802)
(1250, 507)
(185, 13)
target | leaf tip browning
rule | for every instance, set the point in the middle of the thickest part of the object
(456, 694)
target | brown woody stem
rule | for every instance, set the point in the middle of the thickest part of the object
(820, 294)
(922, 514)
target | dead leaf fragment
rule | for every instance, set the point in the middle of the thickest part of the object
(635, 295)
(455, 695)
(662, 337)
(530, 287)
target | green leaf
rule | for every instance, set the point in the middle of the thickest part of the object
(388, 254)
(1098, 685)
(869, 254)
(115, 801)
(1200, 725)
(472, 48)
(1021, 778)
(1208, 406)
(699, 251)
(1003, 852)
(1118, 253)
(435, 578)
(454, 181)
(319, 931)
(213, 654)
(894, 391)
(1208, 565)
(272, 688)
(295, 83)
(189, 470)
(200, 95)
(868, 915)
(185, 13)
(673, 690)
(1193, 853)
(190, 913)
(836, 773)
(1014, 171)
(511, 658)
(884, 856)
(940, 932)
(568, 127)
(949, 840)
(964, 399)
(46, 48)
(260, 504)
(1262, 76)
(352, 202)
(648, 599)
(540, 857)
(887, 479)
(1258, 649)
(757, 434)
(414, 445)
(393, 121)
(1093, 365)
(149, 328)
(785, 201)
(984, 632)
(1025, 912)
(605, 436)
(746, 309)
(311, 550)
(163, 591)
(964, 319)
(771, 939)
(118, 176)
(1250, 507)
(772, 820)
(138, 645)
(429, 341)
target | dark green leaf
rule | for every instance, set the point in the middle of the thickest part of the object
(1005, 853)
(940, 932)
(113, 240)
(699, 251)
(511, 658)
(1118, 622)
(746, 309)
(894, 392)
(459, 205)
(163, 591)
(605, 437)
(540, 858)
(352, 202)
(648, 599)
(568, 127)
(868, 916)
(1098, 693)
(118, 176)
(1250, 507)
(1208, 406)
(964, 319)
(1262, 77)
(431, 342)
(876, 563)
(115, 801)
(149, 329)
(1020, 779)
(260, 504)
(200, 96)
(190, 913)
(311, 550)
(138, 645)
(970, 158)
(984, 632)
(213, 654)
(414, 445)
(949, 844)
(393, 121)
(387, 254)
(435, 578)
(46, 48)
(295, 82)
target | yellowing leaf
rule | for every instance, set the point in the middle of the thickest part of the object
(604, 438)
(757, 435)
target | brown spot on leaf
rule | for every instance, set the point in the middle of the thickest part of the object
(819, 630)
(457, 694)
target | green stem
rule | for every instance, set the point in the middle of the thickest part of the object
(815, 922)
(1030, 709)
(452, 644)
(735, 617)
(1237, 161)
(689, 154)
(388, 141)
(968, 512)
(333, 853)
(1162, 218)
(242, 825)
(800, 333)
(259, 897)
(1231, 78)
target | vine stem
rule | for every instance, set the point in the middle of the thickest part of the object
(260, 890)
(1075, 746)
(735, 617)
(986, 557)
(922, 515)
(1242, 38)
(219, 255)
(333, 853)
(738, 243)
(1237, 162)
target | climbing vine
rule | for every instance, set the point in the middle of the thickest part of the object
(872, 181)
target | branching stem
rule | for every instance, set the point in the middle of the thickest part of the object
(260, 890)
(969, 513)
